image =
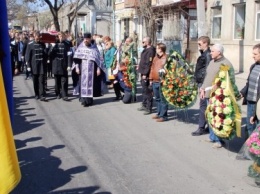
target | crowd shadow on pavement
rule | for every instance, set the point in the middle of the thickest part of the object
(83, 190)
(192, 116)
(184, 115)
(40, 171)
(20, 124)
(23, 143)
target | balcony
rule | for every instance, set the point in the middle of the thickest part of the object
(131, 3)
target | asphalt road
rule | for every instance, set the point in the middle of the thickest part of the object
(113, 148)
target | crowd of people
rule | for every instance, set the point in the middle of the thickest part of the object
(96, 63)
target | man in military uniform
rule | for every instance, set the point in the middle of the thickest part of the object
(35, 58)
(61, 64)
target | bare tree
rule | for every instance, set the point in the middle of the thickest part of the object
(21, 15)
(144, 9)
(72, 13)
(13, 8)
(45, 20)
(54, 6)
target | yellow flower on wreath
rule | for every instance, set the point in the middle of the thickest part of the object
(226, 92)
(226, 110)
(218, 91)
(227, 101)
(218, 110)
(218, 103)
(217, 124)
(223, 84)
(213, 100)
(221, 74)
(227, 128)
(217, 118)
(227, 121)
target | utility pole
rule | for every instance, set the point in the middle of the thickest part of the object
(202, 27)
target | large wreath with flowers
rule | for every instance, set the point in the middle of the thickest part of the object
(178, 85)
(253, 149)
(129, 74)
(223, 113)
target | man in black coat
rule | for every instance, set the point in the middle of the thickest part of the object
(61, 63)
(35, 58)
(144, 67)
(200, 73)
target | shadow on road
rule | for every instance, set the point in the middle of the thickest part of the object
(40, 170)
(20, 124)
(184, 115)
(84, 190)
(192, 116)
(22, 143)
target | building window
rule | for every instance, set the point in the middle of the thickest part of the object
(126, 28)
(239, 21)
(216, 23)
(193, 24)
(258, 22)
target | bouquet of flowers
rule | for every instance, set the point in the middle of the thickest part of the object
(253, 150)
(223, 113)
(178, 85)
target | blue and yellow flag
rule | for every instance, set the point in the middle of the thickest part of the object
(9, 168)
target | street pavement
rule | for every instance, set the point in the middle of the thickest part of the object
(111, 147)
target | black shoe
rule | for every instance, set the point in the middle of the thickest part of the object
(200, 131)
(65, 99)
(147, 112)
(46, 89)
(84, 104)
(142, 108)
(43, 99)
(58, 97)
(117, 98)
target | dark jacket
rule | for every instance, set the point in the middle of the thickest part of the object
(201, 66)
(146, 60)
(25, 43)
(60, 58)
(245, 89)
(14, 52)
(36, 57)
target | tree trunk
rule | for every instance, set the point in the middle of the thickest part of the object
(69, 24)
(150, 30)
(56, 22)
